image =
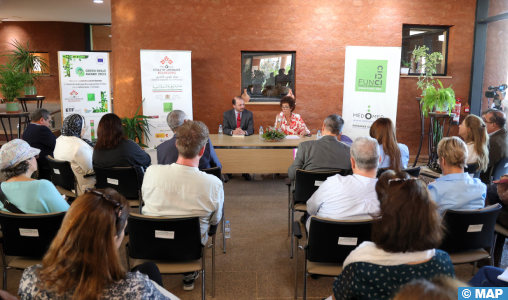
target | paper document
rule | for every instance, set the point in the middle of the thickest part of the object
(504, 276)
(292, 137)
(238, 136)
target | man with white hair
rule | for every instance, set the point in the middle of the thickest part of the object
(350, 197)
(167, 152)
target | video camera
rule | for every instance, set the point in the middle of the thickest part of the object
(492, 93)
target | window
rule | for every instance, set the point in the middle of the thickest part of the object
(37, 66)
(435, 38)
(268, 76)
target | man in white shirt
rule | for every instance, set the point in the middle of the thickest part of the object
(180, 190)
(350, 197)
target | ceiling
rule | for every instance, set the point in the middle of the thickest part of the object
(80, 11)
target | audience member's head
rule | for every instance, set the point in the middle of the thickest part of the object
(191, 139)
(333, 125)
(109, 132)
(494, 119)
(41, 116)
(74, 125)
(473, 130)
(384, 132)
(84, 254)
(175, 119)
(18, 158)
(408, 218)
(289, 101)
(452, 153)
(364, 154)
(238, 103)
(438, 288)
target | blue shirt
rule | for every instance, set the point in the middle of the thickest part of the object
(458, 192)
(385, 159)
(34, 197)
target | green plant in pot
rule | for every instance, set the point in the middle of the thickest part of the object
(273, 135)
(134, 128)
(12, 83)
(24, 60)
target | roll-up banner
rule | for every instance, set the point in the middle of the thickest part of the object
(371, 88)
(166, 85)
(85, 87)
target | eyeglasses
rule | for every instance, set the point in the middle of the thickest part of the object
(485, 121)
(107, 198)
(285, 107)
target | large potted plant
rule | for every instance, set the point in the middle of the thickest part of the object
(134, 128)
(11, 85)
(24, 60)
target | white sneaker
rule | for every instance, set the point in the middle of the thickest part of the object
(188, 281)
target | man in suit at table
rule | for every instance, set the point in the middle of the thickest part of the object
(495, 121)
(238, 121)
(325, 154)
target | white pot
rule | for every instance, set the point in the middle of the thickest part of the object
(404, 71)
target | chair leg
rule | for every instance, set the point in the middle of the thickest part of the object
(203, 262)
(223, 231)
(305, 281)
(296, 270)
(213, 267)
(498, 249)
(127, 256)
(5, 270)
(292, 237)
(474, 268)
(289, 210)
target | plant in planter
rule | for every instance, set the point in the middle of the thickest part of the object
(426, 63)
(11, 85)
(404, 70)
(134, 128)
(443, 99)
(273, 135)
(24, 60)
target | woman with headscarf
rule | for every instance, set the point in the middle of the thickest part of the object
(71, 147)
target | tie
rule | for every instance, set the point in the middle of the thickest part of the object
(238, 120)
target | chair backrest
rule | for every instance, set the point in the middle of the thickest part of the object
(469, 229)
(213, 171)
(331, 241)
(123, 179)
(61, 173)
(30, 234)
(162, 238)
(413, 172)
(307, 182)
(500, 168)
(472, 170)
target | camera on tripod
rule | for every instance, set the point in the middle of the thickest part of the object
(492, 92)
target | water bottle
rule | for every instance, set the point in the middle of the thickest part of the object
(261, 132)
(318, 135)
(228, 230)
(220, 130)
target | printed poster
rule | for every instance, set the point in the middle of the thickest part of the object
(375, 90)
(85, 87)
(166, 85)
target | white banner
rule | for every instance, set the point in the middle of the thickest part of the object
(166, 85)
(371, 88)
(85, 87)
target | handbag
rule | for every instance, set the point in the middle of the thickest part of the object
(9, 206)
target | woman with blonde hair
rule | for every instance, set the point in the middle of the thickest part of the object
(474, 132)
(394, 156)
(83, 261)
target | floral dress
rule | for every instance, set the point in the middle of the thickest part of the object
(296, 127)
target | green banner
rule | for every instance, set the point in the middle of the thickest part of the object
(371, 75)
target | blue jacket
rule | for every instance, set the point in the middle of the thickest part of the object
(168, 154)
(40, 137)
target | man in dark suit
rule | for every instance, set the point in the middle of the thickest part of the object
(167, 153)
(38, 135)
(495, 122)
(238, 120)
(325, 154)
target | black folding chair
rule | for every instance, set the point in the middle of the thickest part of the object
(174, 245)
(122, 179)
(472, 169)
(469, 233)
(27, 237)
(328, 244)
(306, 183)
(63, 177)
(217, 173)
(499, 169)
(413, 172)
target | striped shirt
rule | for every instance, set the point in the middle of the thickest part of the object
(350, 197)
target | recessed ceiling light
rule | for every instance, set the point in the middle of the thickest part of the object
(98, 1)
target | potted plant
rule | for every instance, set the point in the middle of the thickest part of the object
(404, 70)
(134, 128)
(442, 100)
(11, 85)
(273, 135)
(24, 60)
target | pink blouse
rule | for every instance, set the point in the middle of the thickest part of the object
(296, 127)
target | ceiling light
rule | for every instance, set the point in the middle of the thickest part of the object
(98, 1)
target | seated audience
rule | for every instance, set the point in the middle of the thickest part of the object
(70, 270)
(438, 288)
(113, 150)
(17, 164)
(394, 156)
(350, 197)
(71, 147)
(287, 121)
(38, 135)
(474, 133)
(325, 154)
(495, 122)
(404, 240)
(455, 189)
(181, 190)
(487, 277)
(167, 152)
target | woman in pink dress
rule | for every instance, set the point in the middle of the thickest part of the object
(287, 121)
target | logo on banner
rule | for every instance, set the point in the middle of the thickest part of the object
(80, 72)
(168, 107)
(160, 135)
(69, 109)
(166, 62)
(371, 75)
(73, 93)
(100, 60)
(91, 96)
